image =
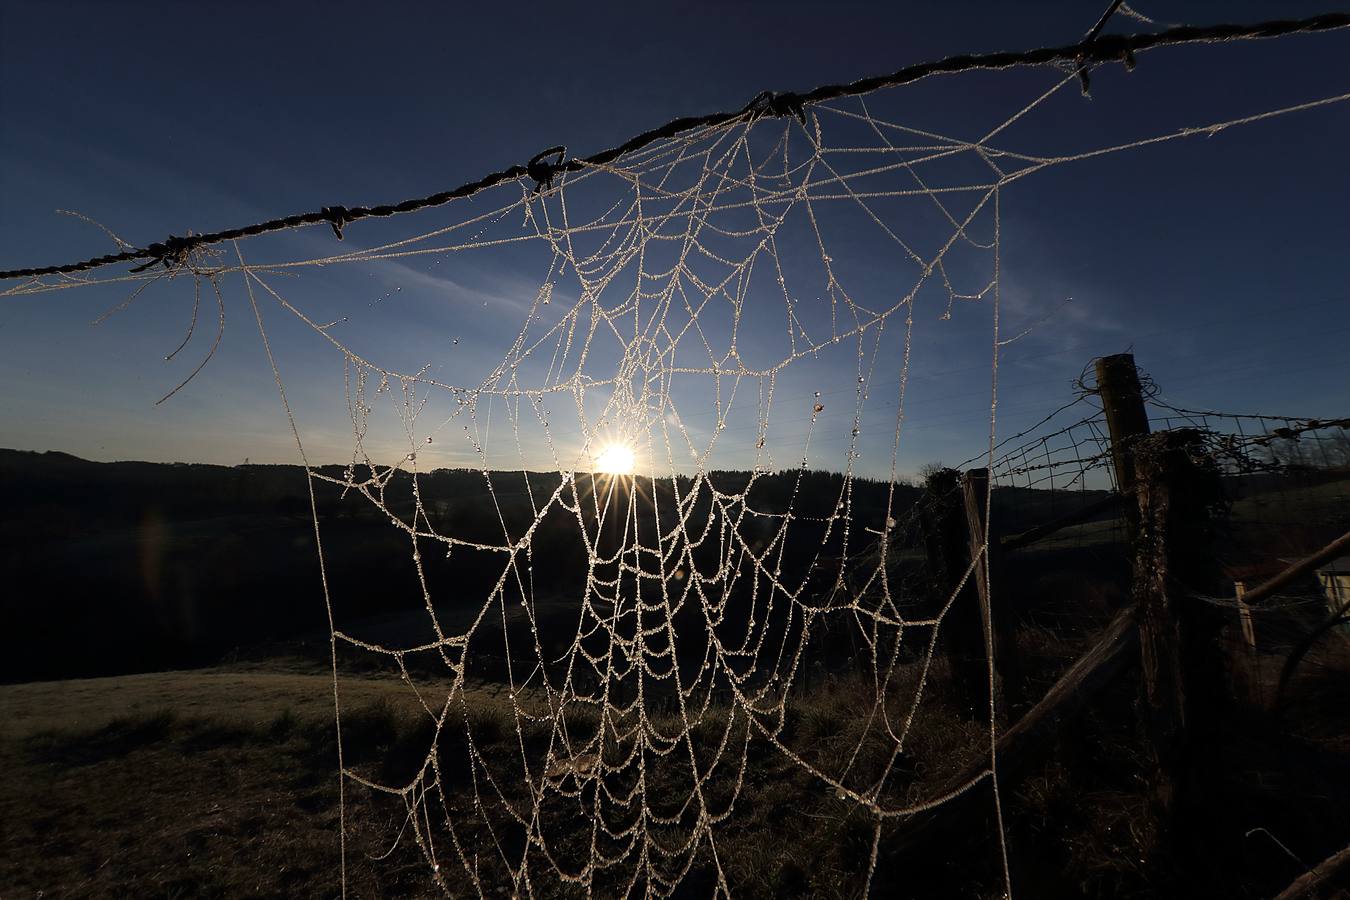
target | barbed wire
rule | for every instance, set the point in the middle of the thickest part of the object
(1314, 421)
(173, 251)
(1256, 447)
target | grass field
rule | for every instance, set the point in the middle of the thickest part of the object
(222, 782)
(208, 783)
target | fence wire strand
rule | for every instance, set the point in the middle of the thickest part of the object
(174, 251)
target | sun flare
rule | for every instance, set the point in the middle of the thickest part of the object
(615, 459)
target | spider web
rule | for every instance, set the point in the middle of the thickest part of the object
(737, 307)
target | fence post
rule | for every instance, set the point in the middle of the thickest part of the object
(1175, 486)
(1245, 616)
(996, 621)
(1126, 417)
(947, 546)
(1247, 665)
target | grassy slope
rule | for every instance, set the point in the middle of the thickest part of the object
(198, 783)
(222, 783)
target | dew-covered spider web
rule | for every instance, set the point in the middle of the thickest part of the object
(665, 589)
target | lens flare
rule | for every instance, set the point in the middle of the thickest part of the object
(615, 459)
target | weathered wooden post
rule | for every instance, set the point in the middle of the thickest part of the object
(947, 542)
(1245, 616)
(1176, 485)
(974, 488)
(1126, 417)
(1247, 662)
(996, 620)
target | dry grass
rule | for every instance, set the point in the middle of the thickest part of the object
(202, 783)
(157, 805)
(250, 698)
(223, 783)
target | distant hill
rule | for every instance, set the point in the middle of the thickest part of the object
(134, 566)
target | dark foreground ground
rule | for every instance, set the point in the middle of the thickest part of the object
(221, 782)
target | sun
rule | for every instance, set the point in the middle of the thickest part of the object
(615, 459)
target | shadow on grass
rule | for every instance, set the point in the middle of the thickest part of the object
(121, 736)
(125, 735)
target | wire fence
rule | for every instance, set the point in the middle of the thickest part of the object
(1286, 483)
(1283, 484)
(175, 251)
(1286, 477)
(1279, 504)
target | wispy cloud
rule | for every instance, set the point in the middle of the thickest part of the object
(1047, 313)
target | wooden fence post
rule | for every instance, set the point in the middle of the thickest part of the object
(1126, 417)
(1245, 616)
(947, 545)
(1179, 654)
(1247, 667)
(996, 621)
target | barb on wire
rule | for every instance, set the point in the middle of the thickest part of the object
(776, 105)
(173, 251)
(543, 171)
(337, 216)
(1084, 80)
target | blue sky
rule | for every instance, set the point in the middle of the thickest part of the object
(1217, 259)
